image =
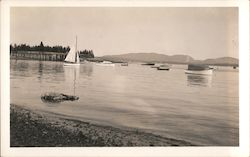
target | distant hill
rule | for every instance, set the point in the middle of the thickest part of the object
(222, 61)
(148, 57)
(178, 59)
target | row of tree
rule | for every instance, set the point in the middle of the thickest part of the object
(86, 54)
(41, 48)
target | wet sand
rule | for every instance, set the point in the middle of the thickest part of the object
(32, 128)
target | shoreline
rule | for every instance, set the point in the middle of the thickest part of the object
(32, 128)
(96, 59)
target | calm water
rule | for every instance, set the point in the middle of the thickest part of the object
(200, 109)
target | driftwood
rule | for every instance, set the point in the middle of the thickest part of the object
(57, 97)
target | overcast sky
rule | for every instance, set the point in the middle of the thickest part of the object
(199, 32)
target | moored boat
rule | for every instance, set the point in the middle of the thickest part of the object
(199, 69)
(106, 63)
(124, 64)
(164, 67)
(72, 57)
(148, 63)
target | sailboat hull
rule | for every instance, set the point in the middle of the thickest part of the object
(71, 64)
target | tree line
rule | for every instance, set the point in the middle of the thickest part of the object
(86, 54)
(41, 48)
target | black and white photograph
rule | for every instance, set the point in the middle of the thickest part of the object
(138, 77)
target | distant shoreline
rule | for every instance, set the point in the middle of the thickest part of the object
(100, 60)
(32, 128)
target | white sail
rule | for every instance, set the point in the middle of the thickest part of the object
(77, 58)
(71, 56)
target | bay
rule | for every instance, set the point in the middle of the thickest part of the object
(200, 109)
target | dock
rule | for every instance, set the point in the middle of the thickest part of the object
(36, 55)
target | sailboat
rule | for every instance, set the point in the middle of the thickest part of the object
(72, 57)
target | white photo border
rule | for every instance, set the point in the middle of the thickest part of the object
(242, 150)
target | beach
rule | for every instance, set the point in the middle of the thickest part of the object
(35, 128)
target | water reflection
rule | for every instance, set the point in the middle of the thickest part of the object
(47, 70)
(87, 69)
(40, 70)
(71, 75)
(57, 68)
(199, 80)
(19, 66)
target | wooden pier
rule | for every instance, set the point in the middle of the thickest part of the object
(35, 55)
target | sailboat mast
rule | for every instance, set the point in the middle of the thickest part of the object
(76, 43)
(76, 51)
(74, 82)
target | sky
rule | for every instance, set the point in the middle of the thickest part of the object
(199, 32)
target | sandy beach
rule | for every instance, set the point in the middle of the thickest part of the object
(33, 128)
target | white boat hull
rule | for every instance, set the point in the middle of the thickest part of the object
(200, 72)
(124, 64)
(71, 64)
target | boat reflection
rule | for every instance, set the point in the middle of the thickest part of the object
(40, 71)
(199, 80)
(71, 75)
(86, 69)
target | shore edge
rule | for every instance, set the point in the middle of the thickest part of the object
(31, 128)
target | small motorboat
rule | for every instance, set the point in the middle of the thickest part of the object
(164, 67)
(199, 69)
(106, 63)
(124, 64)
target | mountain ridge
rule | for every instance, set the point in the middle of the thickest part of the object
(174, 59)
